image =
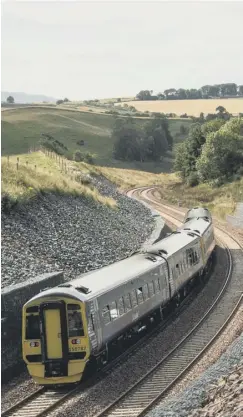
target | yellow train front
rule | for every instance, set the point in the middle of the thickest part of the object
(55, 338)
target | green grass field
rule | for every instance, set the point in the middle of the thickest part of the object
(22, 129)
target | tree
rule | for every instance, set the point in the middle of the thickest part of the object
(149, 142)
(189, 151)
(240, 90)
(160, 121)
(144, 95)
(205, 91)
(181, 94)
(10, 99)
(222, 154)
(214, 91)
(65, 100)
(221, 109)
(127, 140)
(161, 96)
(212, 126)
(170, 93)
(59, 102)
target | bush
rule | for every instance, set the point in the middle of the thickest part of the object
(240, 171)
(193, 179)
(183, 130)
(83, 157)
(8, 203)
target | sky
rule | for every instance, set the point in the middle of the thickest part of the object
(85, 50)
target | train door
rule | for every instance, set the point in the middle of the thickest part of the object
(53, 333)
(54, 338)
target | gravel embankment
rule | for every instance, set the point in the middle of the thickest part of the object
(210, 390)
(224, 398)
(75, 234)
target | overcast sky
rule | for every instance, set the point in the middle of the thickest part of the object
(110, 49)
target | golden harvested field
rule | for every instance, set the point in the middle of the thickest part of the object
(191, 107)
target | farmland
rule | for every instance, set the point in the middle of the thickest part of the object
(191, 107)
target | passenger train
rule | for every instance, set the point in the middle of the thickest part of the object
(79, 324)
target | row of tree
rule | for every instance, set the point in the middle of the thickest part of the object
(136, 142)
(207, 91)
(65, 100)
(213, 152)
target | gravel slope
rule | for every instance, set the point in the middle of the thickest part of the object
(204, 397)
(75, 234)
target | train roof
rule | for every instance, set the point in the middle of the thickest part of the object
(196, 225)
(96, 282)
(173, 243)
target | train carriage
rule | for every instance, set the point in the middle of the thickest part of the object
(82, 322)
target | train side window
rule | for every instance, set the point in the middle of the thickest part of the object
(196, 257)
(32, 326)
(91, 323)
(113, 310)
(140, 295)
(156, 285)
(145, 292)
(151, 288)
(75, 324)
(127, 301)
(120, 306)
(106, 314)
(190, 257)
(134, 298)
(177, 269)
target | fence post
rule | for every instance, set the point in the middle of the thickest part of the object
(8, 159)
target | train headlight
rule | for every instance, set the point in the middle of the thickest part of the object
(76, 342)
(34, 344)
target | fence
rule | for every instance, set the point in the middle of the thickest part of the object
(62, 164)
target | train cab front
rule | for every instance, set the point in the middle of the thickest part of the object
(55, 340)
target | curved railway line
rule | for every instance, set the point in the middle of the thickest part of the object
(159, 380)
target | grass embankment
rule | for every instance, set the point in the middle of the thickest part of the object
(221, 201)
(23, 129)
(38, 173)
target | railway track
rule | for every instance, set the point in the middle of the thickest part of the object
(164, 375)
(140, 397)
(38, 403)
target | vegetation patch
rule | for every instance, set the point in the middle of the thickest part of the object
(37, 174)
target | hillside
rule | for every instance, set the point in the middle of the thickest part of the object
(23, 129)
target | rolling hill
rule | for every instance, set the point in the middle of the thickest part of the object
(23, 129)
(20, 97)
